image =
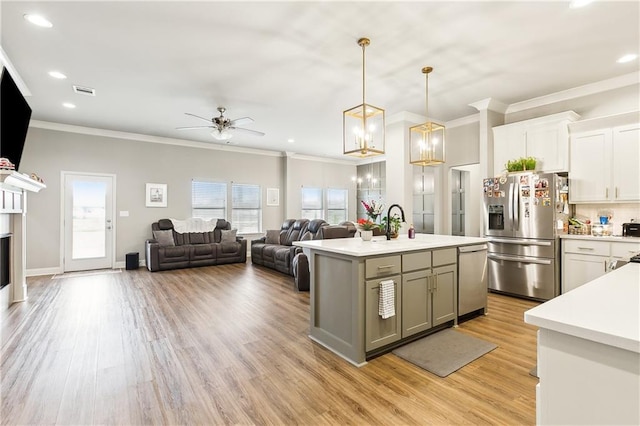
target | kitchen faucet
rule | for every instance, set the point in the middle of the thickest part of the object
(389, 218)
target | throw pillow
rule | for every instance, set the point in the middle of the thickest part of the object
(273, 236)
(228, 236)
(164, 238)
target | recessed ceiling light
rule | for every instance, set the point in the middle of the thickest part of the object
(57, 74)
(68, 105)
(291, 140)
(38, 20)
(579, 3)
(627, 58)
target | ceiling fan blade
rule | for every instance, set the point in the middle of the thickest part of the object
(242, 120)
(195, 127)
(255, 132)
(208, 120)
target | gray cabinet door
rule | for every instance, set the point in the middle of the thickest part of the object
(380, 332)
(416, 302)
(444, 294)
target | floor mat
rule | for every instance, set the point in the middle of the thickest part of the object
(444, 352)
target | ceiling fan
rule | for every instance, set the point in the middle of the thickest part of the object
(223, 127)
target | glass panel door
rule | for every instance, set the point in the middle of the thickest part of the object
(88, 222)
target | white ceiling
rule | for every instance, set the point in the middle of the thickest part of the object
(295, 66)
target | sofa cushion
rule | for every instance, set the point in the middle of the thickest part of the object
(196, 238)
(294, 233)
(165, 224)
(273, 236)
(174, 254)
(228, 236)
(164, 238)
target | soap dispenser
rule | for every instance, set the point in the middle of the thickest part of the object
(412, 232)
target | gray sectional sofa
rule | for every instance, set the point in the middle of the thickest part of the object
(172, 250)
(276, 250)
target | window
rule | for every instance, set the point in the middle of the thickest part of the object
(337, 205)
(209, 200)
(313, 206)
(312, 203)
(246, 213)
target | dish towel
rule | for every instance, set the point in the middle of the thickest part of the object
(386, 300)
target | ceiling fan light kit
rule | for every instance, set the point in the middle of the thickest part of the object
(427, 139)
(222, 126)
(363, 126)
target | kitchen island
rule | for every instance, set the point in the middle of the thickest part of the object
(589, 352)
(345, 282)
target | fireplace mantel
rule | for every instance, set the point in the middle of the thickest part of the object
(14, 187)
(20, 181)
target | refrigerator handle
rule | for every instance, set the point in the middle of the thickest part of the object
(516, 206)
(510, 205)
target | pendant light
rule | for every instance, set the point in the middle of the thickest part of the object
(427, 139)
(363, 125)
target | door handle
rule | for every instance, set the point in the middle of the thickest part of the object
(521, 242)
(519, 259)
(516, 207)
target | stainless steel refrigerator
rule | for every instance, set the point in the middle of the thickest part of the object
(524, 214)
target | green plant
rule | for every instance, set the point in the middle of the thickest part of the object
(521, 164)
(529, 163)
(396, 223)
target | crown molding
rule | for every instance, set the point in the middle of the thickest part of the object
(330, 160)
(4, 60)
(489, 104)
(577, 92)
(147, 138)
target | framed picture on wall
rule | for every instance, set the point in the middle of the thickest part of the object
(273, 196)
(156, 195)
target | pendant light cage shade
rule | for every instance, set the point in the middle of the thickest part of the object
(363, 126)
(427, 140)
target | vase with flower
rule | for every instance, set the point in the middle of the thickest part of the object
(366, 227)
(373, 209)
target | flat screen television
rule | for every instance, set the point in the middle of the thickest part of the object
(15, 114)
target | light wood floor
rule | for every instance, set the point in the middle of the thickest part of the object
(228, 345)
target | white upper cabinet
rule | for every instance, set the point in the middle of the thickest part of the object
(545, 138)
(626, 163)
(605, 165)
(589, 179)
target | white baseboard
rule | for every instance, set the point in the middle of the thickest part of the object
(43, 271)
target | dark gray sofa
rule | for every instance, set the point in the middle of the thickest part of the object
(276, 250)
(192, 249)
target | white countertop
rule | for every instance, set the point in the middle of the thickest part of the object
(379, 245)
(613, 238)
(605, 310)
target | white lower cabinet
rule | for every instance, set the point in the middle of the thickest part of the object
(585, 260)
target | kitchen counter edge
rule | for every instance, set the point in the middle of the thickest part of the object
(379, 245)
(605, 310)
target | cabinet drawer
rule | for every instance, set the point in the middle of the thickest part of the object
(416, 261)
(382, 266)
(624, 250)
(445, 257)
(597, 248)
